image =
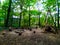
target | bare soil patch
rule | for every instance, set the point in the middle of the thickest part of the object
(27, 37)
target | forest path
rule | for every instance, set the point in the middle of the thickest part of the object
(34, 37)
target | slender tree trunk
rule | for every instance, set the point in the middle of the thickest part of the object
(20, 20)
(55, 21)
(11, 20)
(52, 18)
(8, 14)
(20, 16)
(49, 13)
(5, 18)
(12, 16)
(58, 13)
(29, 16)
(39, 20)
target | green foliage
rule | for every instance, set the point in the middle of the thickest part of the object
(25, 4)
(35, 12)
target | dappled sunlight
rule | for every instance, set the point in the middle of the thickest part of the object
(29, 22)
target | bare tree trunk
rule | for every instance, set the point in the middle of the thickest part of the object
(29, 16)
(52, 18)
(58, 13)
(39, 20)
(8, 14)
(20, 16)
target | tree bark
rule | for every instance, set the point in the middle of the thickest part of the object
(39, 20)
(29, 16)
(20, 16)
(58, 13)
(8, 14)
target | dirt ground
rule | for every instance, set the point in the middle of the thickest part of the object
(27, 37)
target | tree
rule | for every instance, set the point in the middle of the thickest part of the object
(8, 14)
(58, 12)
(49, 6)
(26, 4)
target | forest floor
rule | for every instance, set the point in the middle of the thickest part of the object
(27, 37)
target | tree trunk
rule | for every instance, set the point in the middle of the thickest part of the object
(39, 20)
(5, 9)
(8, 14)
(20, 16)
(29, 16)
(58, 14)
(52, 18)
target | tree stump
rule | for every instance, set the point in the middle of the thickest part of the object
(48, 28)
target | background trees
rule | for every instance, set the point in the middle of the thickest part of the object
(26, 13)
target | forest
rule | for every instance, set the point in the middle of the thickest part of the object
(29, 22)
